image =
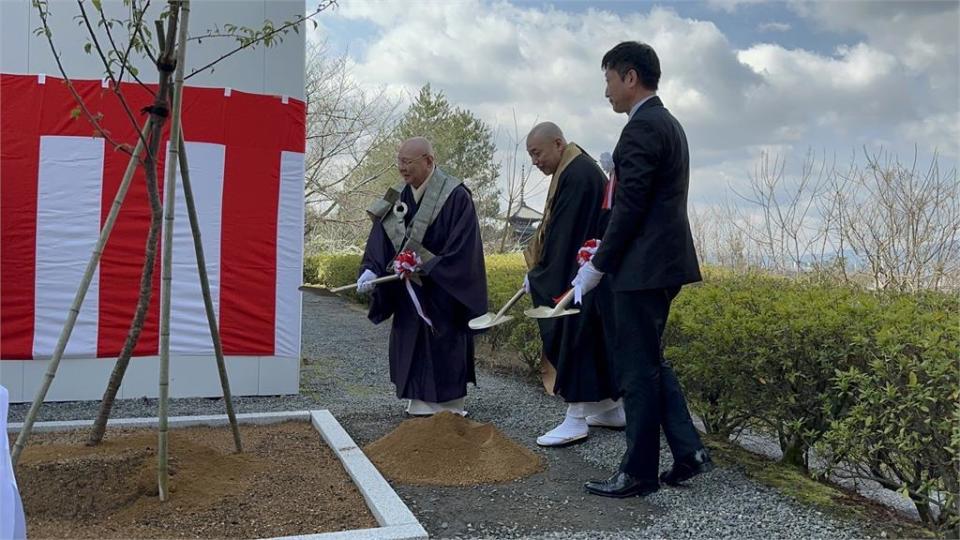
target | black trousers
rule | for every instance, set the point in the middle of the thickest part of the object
(651, 393)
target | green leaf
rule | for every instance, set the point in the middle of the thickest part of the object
(75, 113)
(86, 47)
(96, 4)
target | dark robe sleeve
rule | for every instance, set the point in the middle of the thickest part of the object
(574, 219)
(457, 266)
(376, 256)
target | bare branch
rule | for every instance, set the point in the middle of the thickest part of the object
(115, 83)
(324, 4)
(94, 121)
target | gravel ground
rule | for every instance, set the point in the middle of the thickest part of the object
(349, 377)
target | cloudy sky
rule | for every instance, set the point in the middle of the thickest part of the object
(742, 76)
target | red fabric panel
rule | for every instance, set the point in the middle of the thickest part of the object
(21, 98)
(248, 241)
(255, 129)
(122, 261)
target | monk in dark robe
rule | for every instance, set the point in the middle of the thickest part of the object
(432, 215)
(573, 346)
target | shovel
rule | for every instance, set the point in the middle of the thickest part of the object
(489, 320)
(316, 290)
(547, 312)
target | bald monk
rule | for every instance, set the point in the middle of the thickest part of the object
(431, 347)
(573, 346)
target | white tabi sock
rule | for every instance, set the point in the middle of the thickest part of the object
(573, 428)
(593, 408)
(417, 407)
(454, 405)
(611, 417)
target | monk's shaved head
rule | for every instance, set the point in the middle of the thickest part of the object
(418, 146)
(415, 160)
(546, 131)
(545, 144)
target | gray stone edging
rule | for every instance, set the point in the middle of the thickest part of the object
(396, 521)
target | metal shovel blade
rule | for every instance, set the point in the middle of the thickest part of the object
(488, 320)
(314, 289)
(547, 312)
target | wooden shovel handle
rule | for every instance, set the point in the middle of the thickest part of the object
(564, 301)
(509, 304)
(384, 279)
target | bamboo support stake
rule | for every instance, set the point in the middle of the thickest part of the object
(207, 297)
(92, 264)
(170, 187)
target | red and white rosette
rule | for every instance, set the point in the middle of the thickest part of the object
(587, 251)
(405, 264)
(584, 255)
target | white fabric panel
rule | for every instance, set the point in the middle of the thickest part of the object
(289, 256)
(189, 329)
(69, 184)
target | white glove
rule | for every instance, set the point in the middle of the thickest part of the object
(586, 280)
(364, 284)
(526, 283)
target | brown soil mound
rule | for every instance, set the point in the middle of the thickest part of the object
(449, 450)
(287, 482)
(76, 482)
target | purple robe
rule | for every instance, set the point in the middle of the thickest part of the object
(433, 364)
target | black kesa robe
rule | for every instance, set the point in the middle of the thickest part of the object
(433, 364)
(574, 344)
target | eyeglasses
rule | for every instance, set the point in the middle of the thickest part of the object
(403, 162)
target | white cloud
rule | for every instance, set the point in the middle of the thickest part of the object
(544, 64)
(731, 6)
(923, 34)
(774, 26)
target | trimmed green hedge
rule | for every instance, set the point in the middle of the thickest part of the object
(867, 379)
(519, 336)
(333, 270)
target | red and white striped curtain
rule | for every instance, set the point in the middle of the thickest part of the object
(58, 181)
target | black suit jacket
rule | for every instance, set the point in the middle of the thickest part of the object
(647, 244)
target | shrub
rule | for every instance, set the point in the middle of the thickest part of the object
(765, 350)
(310, 265)
(337, 269)
(869, 379)
(902, 429)
(504, 277)
(711, 336)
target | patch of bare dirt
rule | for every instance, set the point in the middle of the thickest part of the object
(287, 482)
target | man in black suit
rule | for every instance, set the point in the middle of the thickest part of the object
(647, 254)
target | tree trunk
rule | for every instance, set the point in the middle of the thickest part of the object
(794, 453)
(146, 279)
(154, 135)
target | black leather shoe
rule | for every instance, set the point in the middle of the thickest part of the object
(687, 468)
(620, 485)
